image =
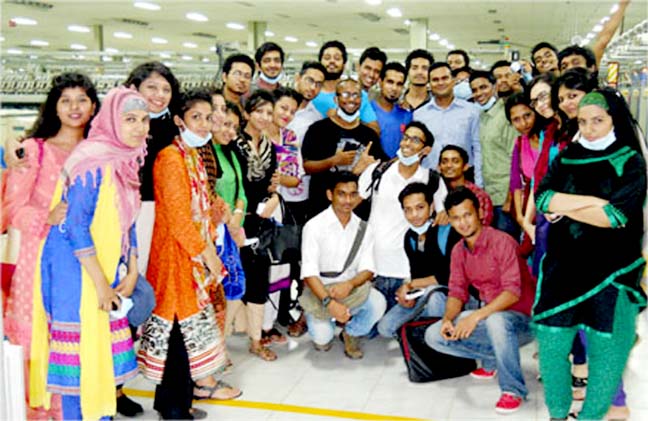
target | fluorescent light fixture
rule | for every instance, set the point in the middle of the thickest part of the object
(269, 34)
(205, 59)
(444, 42)
(212, 48)
(1, 38)
(126, 60)
(407, 22)
(165, 55)
(38, 43)
(373, 2)
(197, 17)
(106, 58)
(235, 25)
(395, 12)
(78, 28)
(477, 62)
(158, 40)
(33, 57)
(450, 46)
(311, 44)
(290, 39)
(435, 37)
(122, 35)
(614, 8)
(111, 50)
(190, 45)
(597, 28)
(291, 59)
(80, 57)
(146, 5)
(168, 63)
(187, 58)
(78, 47)
(638, 62)
(23, 21)
(590, 35)
(604, 19)
(14, 51)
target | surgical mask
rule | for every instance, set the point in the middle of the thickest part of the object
(598, 144)
(422, 229)
(349, 118)
(193, 140)
(270, 80)
(488, 104)
(407, 160)
(160, 114)
(462, 90)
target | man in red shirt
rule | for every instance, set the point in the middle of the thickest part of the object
(487, 260)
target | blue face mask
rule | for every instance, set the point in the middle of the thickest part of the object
(349, 118)
(488, 104)
(422, 229)
(193, 140)
(270, 80)
(160, 114)
(407, 160)
(462, 90)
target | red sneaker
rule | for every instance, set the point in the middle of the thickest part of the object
(482, 374)
(508, 403)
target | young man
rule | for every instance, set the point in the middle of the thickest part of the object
(327, 242)
(453, 164)
(417, 66)
(339, 142)
(392, 118)
(333, 56)
(372, 61)
(457, 59)
(452, 121)
(486, 259)
(506, 80)
(545, 58)
(497, 138)
(575, 56)
(386, 217)
(269, 59)
(238, 71)
(427, 247)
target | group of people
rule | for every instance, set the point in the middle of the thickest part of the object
(506, 203)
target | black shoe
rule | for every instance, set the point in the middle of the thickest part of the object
(128, 407)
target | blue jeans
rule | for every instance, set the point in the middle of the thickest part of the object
(362, 320)
(388, 287)
(503, 221)
(496, 341)
(425, 306)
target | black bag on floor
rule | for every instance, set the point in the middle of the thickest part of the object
(424, 364)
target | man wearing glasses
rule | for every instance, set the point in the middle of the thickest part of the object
(238, 71)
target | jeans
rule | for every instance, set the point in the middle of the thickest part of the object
(388, 287)
(362, 320)
(495, 341)
(503, 221)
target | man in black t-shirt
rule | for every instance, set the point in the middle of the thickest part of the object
(338, 143)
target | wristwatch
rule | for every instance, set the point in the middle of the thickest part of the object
(326, 301)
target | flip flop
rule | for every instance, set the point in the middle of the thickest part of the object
(213, 389)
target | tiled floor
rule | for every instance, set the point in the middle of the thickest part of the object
(307, 385)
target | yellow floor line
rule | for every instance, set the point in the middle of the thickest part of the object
(286, 408)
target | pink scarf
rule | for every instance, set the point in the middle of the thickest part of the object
(102, 148)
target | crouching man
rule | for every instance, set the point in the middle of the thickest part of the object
(337, 267)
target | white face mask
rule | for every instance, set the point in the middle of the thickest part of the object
(422, 229)
(462, 90)
(160, 114)
(349, 118)
(598, 144)
(488, 104)
(270, 80)
(193, 140)
(407, 160)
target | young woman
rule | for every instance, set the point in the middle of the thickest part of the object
(63, 122)
(182, 344)
(540, 94)
(594, 193)
(89, 260)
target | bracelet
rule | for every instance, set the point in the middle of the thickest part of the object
(237, 210)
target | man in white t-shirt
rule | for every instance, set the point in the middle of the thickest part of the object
(386, 218)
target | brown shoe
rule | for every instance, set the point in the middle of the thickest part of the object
(351, 346)
(298, 328)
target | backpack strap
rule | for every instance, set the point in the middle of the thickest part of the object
(376, 176)
(357, 241)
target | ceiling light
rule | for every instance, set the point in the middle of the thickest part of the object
(186, 58)
(38, 43)
(395, 12)
(78, 28)
(590, 35)
(291, 59)
(1, 38)
(407, 22)
(78, 47)
(33, 57)
(158, 40)
(106, 58)
(290, 39)
(122, 35)
(311, 44)
(146, 5)
(165, 55)
(189, 45)
(450, 46)
(373, 2)
(126, 60)
(269, 34)
(14, 51)
(235, 25)
(167, 63)
(205, 59)
(23, 21)
(435, 37)
(195, 16)
(597, 28)
(638, 62)
(79, 57)
(212, 48)
(444, 42)
(614, 8)
(605, 19)
(111, 50)
(477, 62)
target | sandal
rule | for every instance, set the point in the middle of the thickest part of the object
(263, 352)
(298, 328)
(578, 382)
(220, 385)
(273, 336)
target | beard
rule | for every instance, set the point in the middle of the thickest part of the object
(505, 94)
(391, 100)
(332, 75)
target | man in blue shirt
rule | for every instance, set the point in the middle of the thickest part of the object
(392, 118)
(451, 120)
(333, 56)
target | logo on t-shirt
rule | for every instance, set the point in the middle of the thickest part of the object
(350, 144)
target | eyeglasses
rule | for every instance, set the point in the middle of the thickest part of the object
(310, 81)
(240, 75)
(347, 95)
(413, 139)
(543, 97)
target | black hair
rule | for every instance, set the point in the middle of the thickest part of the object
(418, 53)
(238, 58)
(283, 91)
(477, 74)
(461, 151)
(48, 123)
(464, 69)
(438, 65)
(341, 177)
(257, 99)
(429, 137)
(457, 196)
(231, 107)
(395, 66)
(462, 53)
(333, 44)
(540, 46)
(190, 97)
(142, 72)
(312, 65)
(576, 78)
(267, 47)
(500, 63)
(577, 50)
(517, 98)
(416, 188)
(373, 53)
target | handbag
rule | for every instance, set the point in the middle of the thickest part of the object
(281, 242)
(424, 364)
(234, 282)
